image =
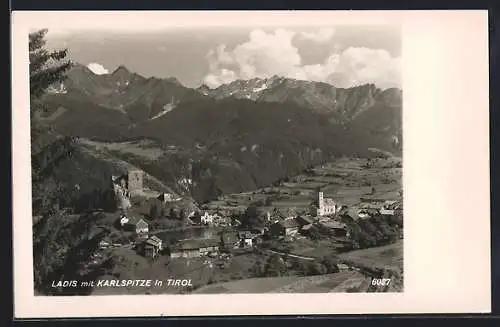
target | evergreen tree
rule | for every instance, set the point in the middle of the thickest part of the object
(46, 67)
(61, 246)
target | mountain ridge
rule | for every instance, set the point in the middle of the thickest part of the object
(227, 144)
(341, 104)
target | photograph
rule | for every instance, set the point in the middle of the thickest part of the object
(217, 160)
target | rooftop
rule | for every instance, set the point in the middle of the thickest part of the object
(245, 234)
(329, 201)
(304, 220)
(334, 224)
(372, 200)
(155, 238)
(289, 223)
(370, 205)
(155, 241)
(142, 222)
(196, 244)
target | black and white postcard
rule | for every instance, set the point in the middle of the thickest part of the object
(250, 163)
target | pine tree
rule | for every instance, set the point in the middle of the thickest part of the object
(60, 246)
(46, 67)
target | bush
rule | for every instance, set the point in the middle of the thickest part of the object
(166, 223)
(330, 264)
(316, 268)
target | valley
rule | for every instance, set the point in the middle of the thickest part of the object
(347, 180)
(276, 183)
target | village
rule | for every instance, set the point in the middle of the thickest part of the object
(215, 238)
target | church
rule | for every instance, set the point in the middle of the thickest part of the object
(325, 206)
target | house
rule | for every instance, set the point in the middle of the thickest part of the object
(168, 197)
(195, 248)
(151, 247)
(390, 207)
(286, 227)
(266, 216)
(124, 221)
(390, 204)
(220, 220)
(338, 228)
(358, 213)
(104, 245)
(305, 221)
(230, 239)
(194, 218)
(141, 227)
(207, 218)
(343, 267)
(277, 215)
(370, 205)
(247, 242)
(210, 218)
(367, 212)
(245, 239)
(387, 212)
(378, 202)
(259, 230)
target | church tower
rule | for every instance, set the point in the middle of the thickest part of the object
(320, 203)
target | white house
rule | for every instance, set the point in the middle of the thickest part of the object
(124, 220)
(207, 218)
(247, 242)
(141, 227)
(168, 197)
(363, 214)
(212, 218)
(388, 212)
(343, 267)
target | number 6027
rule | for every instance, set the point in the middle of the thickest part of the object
(381, 281)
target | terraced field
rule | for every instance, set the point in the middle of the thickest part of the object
(346, 180)
(387, 256)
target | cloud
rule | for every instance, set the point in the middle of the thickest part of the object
(323, 35)
(268, 54)
(97, 69)
(223, 77)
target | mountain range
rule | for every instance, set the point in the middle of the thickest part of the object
(239, 136)
(342, 104)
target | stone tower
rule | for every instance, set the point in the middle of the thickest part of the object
(135, 180)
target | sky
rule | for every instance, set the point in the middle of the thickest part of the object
(344, 56)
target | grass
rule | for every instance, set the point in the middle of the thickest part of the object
(387, 256)
(236, 277)
(288, 284)
(130, 265)
(345, 180)
(143, 148)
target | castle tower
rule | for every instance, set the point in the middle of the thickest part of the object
(135, 180)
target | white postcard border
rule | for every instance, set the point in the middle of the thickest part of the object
(446, 170)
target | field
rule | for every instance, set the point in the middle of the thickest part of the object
(143, 148)
(387, 256)
(339, 282)
(315, 249)
(346, 180)
(201, 271)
